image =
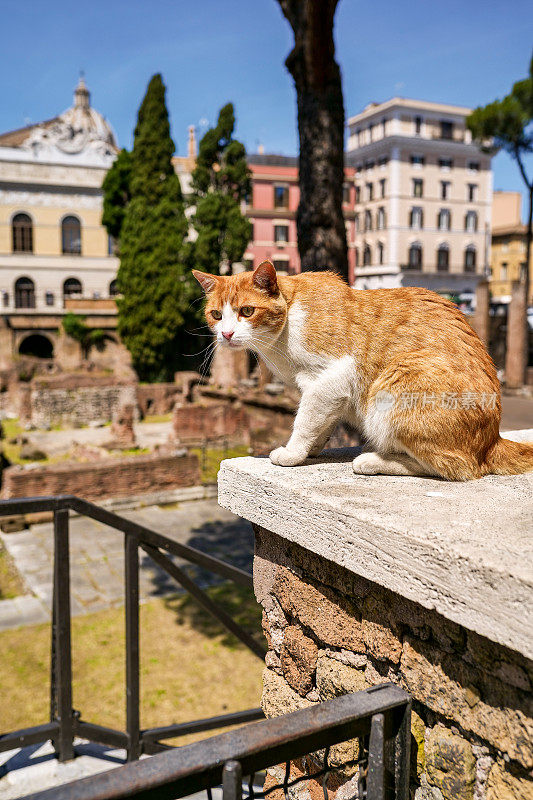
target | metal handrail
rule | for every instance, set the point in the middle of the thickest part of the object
(380, 718)
(66, 723)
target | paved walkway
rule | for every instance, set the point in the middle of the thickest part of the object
(97, 558)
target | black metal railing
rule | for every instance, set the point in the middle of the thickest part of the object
(66, 723)
(376, 723)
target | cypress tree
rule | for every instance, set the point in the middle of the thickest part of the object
(116, 188)
(220, 181)
(156, 291)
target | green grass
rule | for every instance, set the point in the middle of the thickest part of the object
(211, 464)
(190, 668)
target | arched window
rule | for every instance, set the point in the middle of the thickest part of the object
(72, 288)
(470, 258)
(381, 251)
(443, 258)
(367, 256)
(444, 220)
(37, 345)
(113, 289)
(368, 220)
(22, 229)
(24, 293)
(416, 218)
(471, 222)
(71, 236)
(415, 256)
(381, 220)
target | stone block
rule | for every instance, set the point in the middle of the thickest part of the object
(333, 678)
(418, 749)
(450, 764)
(298, 659)
(502, 785)
(278, 698)
(380, 633)
(502, 716)
(333, 619)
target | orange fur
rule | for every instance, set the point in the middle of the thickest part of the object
(401, 341)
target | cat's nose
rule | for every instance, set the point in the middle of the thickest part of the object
(227, 335)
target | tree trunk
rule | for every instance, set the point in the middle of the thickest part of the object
(317, 78)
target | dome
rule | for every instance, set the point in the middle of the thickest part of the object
(79, 131)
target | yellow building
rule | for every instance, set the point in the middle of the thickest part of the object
(508, 249)
(55, 255)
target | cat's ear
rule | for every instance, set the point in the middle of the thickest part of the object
(206, 281)
(265, 278)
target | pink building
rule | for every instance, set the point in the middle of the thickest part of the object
(272, 212)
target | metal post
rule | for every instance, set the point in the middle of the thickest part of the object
(62, 691)
(232, 781)
(132, 647)
(375, 785)
(402, 754)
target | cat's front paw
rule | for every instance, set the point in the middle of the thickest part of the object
(284, 457)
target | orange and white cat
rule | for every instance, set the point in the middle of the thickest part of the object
(403, 366)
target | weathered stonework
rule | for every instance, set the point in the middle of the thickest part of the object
(331, 632)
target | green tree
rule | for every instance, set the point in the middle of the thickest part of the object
(220, 182)
(75, 326)
(506, 124)
(116, 188)
(153, 280)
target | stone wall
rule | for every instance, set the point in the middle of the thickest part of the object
(110, 477)
(157, 398)
(74, 399)
(330, 631)
(194, 422)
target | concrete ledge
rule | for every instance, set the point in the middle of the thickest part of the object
(463, 549)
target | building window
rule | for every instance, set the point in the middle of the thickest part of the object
(356, 256)
(384, 127)
(470, 259)
(445, 190)
(415, 256)
(381, 220)
(418, 125)
(22, 229)
(24, 293)
(112, 245)
(523, 271)
(49, 298)
(418, 187)
(382, 185)
(443, 258)
(446, 129)
(367, 256)
(445, 163)
(471, 222)
(280, 264)
(370, 191)
(473, 166)
(368, 220)
(383, 161)
(281, 234)
(71, 236)
(356, 223)
(357, 194)
(113, 289)
(370, 133)
(5, 298)
(72, 288)
(345, 192)
(471, 192)
(416, 218)
(503, 271)
(381, 251)
(418, 161)
(281, 196)
(444, 220)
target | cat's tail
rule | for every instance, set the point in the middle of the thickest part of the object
(509, 458)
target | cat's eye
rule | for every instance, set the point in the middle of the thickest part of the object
(247, 311)
(216, 314)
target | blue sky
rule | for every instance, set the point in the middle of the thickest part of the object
(212, 51)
